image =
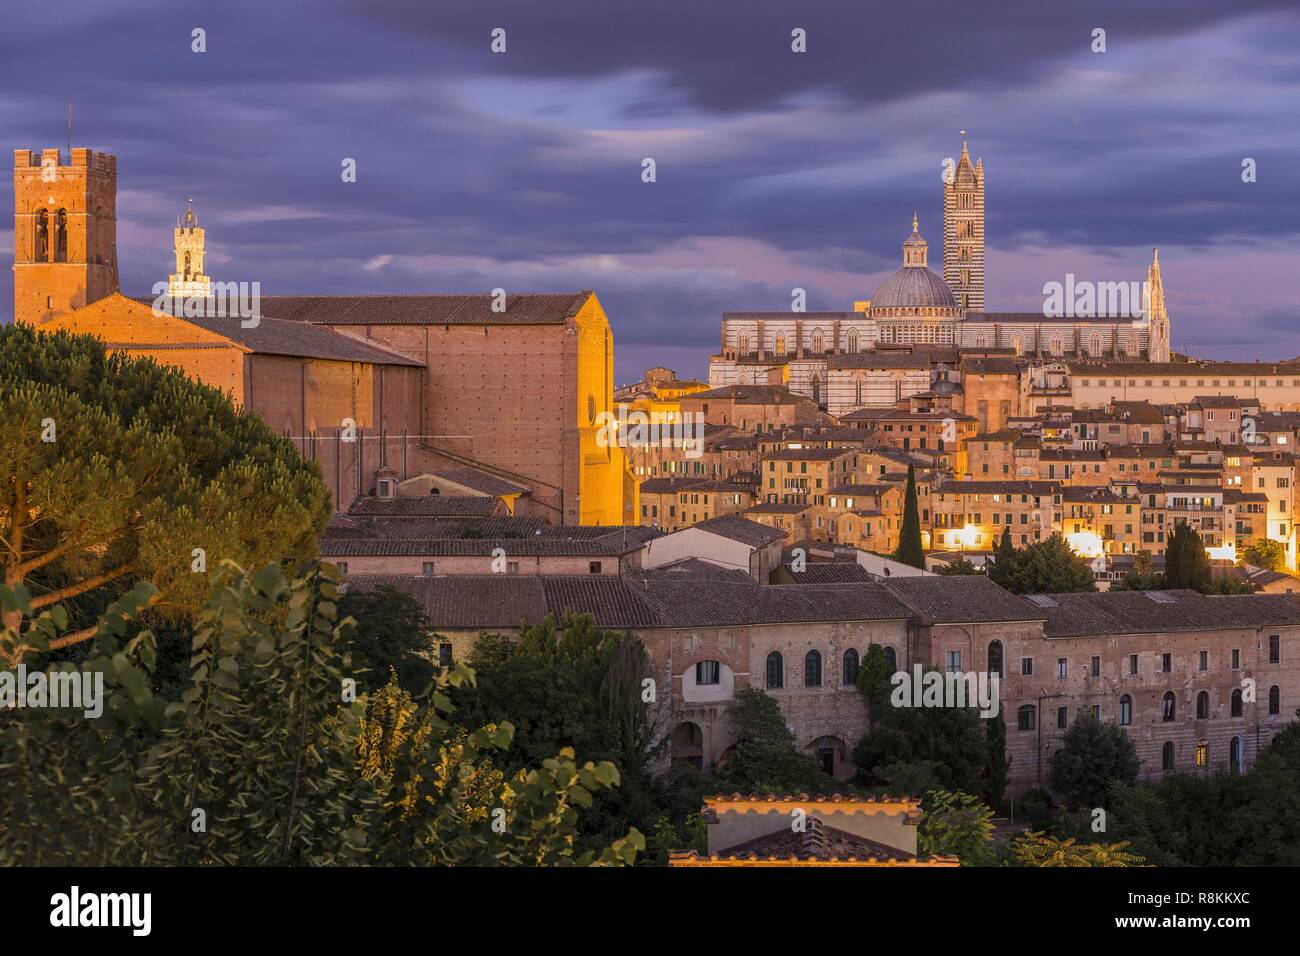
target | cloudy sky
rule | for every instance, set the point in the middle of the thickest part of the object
(775, 170)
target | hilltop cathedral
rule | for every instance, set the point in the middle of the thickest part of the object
(916, 308)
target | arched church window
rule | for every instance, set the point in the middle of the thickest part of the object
(1094, 345)
(817, 341)
(61, 236)
(742, 344)
(857, 391)
(853, 341)
(41, 247)
(1018, 346)
(780, 345)
(187, 265)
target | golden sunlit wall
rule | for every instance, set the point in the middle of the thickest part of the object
(606, 489)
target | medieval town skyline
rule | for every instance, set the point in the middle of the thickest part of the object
(523, 170)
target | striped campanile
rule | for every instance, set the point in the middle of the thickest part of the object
(963, 231)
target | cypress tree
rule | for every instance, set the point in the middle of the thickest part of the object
(909, 539)
(1186, 563)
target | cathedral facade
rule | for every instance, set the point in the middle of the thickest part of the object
(917, 310)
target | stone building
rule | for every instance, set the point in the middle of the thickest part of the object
(1200, 683)
(512, 385)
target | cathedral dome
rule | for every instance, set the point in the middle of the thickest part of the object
(912, 287)
(915, 289)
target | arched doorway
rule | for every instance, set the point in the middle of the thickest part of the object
(686, 745)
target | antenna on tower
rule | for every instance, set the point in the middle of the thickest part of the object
(69, 129)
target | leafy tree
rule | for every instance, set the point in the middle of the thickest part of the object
(1036, 849)
(909, 537)
(1264, 553)
(918, 748)
(1230, 584)
(766, 759)
(998, 770)
(1045, 567)
(264, 761)
(568, 683)
(956, 824)
(960, 566)
(1186, 563)
(173, 465)
(1250, 819)
(874, 680)
(1092, 757)
(1035, 805)
(392, 636)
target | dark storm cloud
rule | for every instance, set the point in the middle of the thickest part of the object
(774, 170)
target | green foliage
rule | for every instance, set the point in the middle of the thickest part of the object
(1230, 584)
(998, 770)
(920, 748)
(1045, 567)
(1092, 757)
(1186, 563)
(570, 684)
(1035, 805)
(173, 466)
(874, 674)
(264, 761)
(1264, 553)
(766, 759)
(392, 636)
(956, 824)
(1251, 819)
(909, 536)
(1036, 849)
(960, 566)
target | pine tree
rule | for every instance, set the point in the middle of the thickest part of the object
(910, 550)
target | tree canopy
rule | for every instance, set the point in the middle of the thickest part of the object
(117, 469)
(1093, 756)
(1049, 566)
(269, 759)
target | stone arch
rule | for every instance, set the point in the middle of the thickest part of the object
(686, 745)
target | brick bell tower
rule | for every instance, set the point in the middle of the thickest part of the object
(65, 232)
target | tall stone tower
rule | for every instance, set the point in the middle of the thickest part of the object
(963, 231)
(65, 232)
(1158, 349)
(189, 282)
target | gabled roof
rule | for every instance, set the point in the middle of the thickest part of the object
(741, 529)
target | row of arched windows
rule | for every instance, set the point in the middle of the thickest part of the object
(812, 668)
(1027, 714)
(42, 244)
